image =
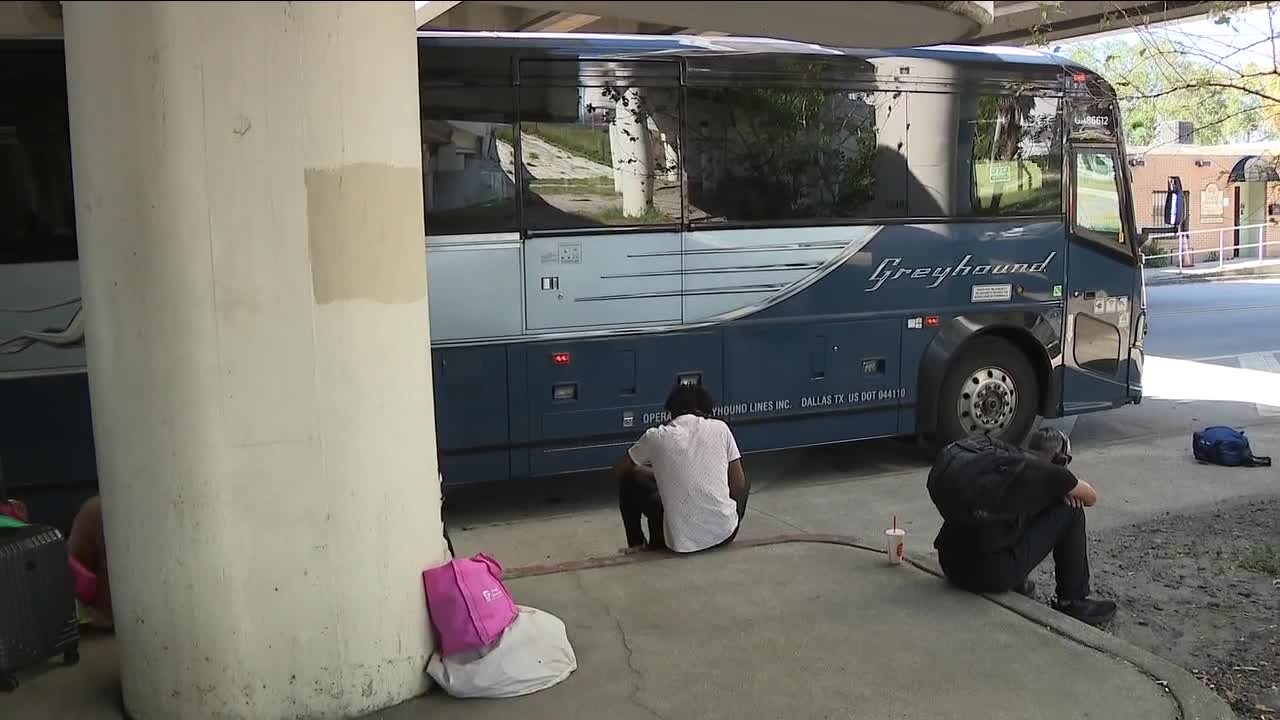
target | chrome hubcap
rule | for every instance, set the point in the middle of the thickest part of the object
(987, 402)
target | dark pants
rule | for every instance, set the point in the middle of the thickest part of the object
(1058, 529)
(638, 498)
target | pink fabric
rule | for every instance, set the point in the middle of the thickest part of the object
(15, 509)
(469, 606)
(86, 583)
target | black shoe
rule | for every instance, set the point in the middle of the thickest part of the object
(1091, 612)
(1026, 588)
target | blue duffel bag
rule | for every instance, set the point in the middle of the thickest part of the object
(1222, 445)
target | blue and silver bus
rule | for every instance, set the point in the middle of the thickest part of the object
(839, 244)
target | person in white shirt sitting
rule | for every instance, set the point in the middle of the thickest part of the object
(685, 476)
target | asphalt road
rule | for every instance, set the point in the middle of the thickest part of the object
(1214, 319)
(1228, 324)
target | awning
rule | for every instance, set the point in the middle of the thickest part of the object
(1254, 168)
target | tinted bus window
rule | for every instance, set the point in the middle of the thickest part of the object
(600, 156)
(783, 154)
(37, 209)
(1017, 157)
(468, 160)
(1097, 345)
(1097, 199)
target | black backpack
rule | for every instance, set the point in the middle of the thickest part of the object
(970, 478)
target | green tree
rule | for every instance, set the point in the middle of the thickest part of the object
(1225, 80)
(802, 152)
(1158, 80)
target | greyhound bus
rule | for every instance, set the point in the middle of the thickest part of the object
(839, 244)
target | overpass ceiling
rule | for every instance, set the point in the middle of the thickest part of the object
(1021, 23)
(863, 24)
(866, 24)
(878, 24)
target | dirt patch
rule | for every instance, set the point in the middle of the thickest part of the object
(1202, 591)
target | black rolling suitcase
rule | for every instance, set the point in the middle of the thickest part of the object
(37, 605)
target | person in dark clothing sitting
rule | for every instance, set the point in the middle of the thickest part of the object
(1045, 505)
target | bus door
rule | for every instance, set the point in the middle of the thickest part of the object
(1102, 281)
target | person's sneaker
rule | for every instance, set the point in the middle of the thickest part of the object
(1091, 612)
(1026, 588)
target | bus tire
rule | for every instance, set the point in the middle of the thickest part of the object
(989, 388)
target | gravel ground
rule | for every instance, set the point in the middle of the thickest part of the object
(1200, 590)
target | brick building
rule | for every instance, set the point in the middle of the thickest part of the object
(1227, 188)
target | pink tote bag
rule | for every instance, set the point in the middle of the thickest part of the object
(468, 604)
(86, 582)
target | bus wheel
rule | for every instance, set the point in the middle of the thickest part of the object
(990, 389)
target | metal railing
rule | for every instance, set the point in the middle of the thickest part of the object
(1184, 257)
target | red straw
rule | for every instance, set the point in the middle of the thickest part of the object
(895, 522)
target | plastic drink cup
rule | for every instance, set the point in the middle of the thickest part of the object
(896, 545)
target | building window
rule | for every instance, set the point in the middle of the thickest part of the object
(37, 208)
(785, 154)
(604, 156)
(1017, 156)
(468, 161)
(1157, 206)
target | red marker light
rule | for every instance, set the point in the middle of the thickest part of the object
(931, 321)
(560, 358)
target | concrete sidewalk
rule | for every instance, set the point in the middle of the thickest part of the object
(852, 491)
(786, 628)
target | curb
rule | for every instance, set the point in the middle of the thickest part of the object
(1194, 700)
(1191, 698)
(1224, 277)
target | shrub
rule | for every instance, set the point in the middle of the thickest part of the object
(1264, 560)
(1153, 248)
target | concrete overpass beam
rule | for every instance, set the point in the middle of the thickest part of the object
(481, 17)
(865, 24)
(249, 204)
(425, 12)
(1042, 22)
(617, 26)
(559, 22)
(30, 19)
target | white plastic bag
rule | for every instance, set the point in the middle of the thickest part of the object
(533, 654)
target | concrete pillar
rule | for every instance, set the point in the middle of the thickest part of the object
(249, 202)
(935, 172)
(449, 160)
(615, 152)
(669, 161)
(428, 178)
(633, 159)
(890, 108)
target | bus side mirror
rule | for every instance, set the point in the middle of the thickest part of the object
(1175, 207)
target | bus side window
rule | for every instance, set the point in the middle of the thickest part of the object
(602, 156)
(468, 165)
(1016, 156)
(794, 154)
(37, 207)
